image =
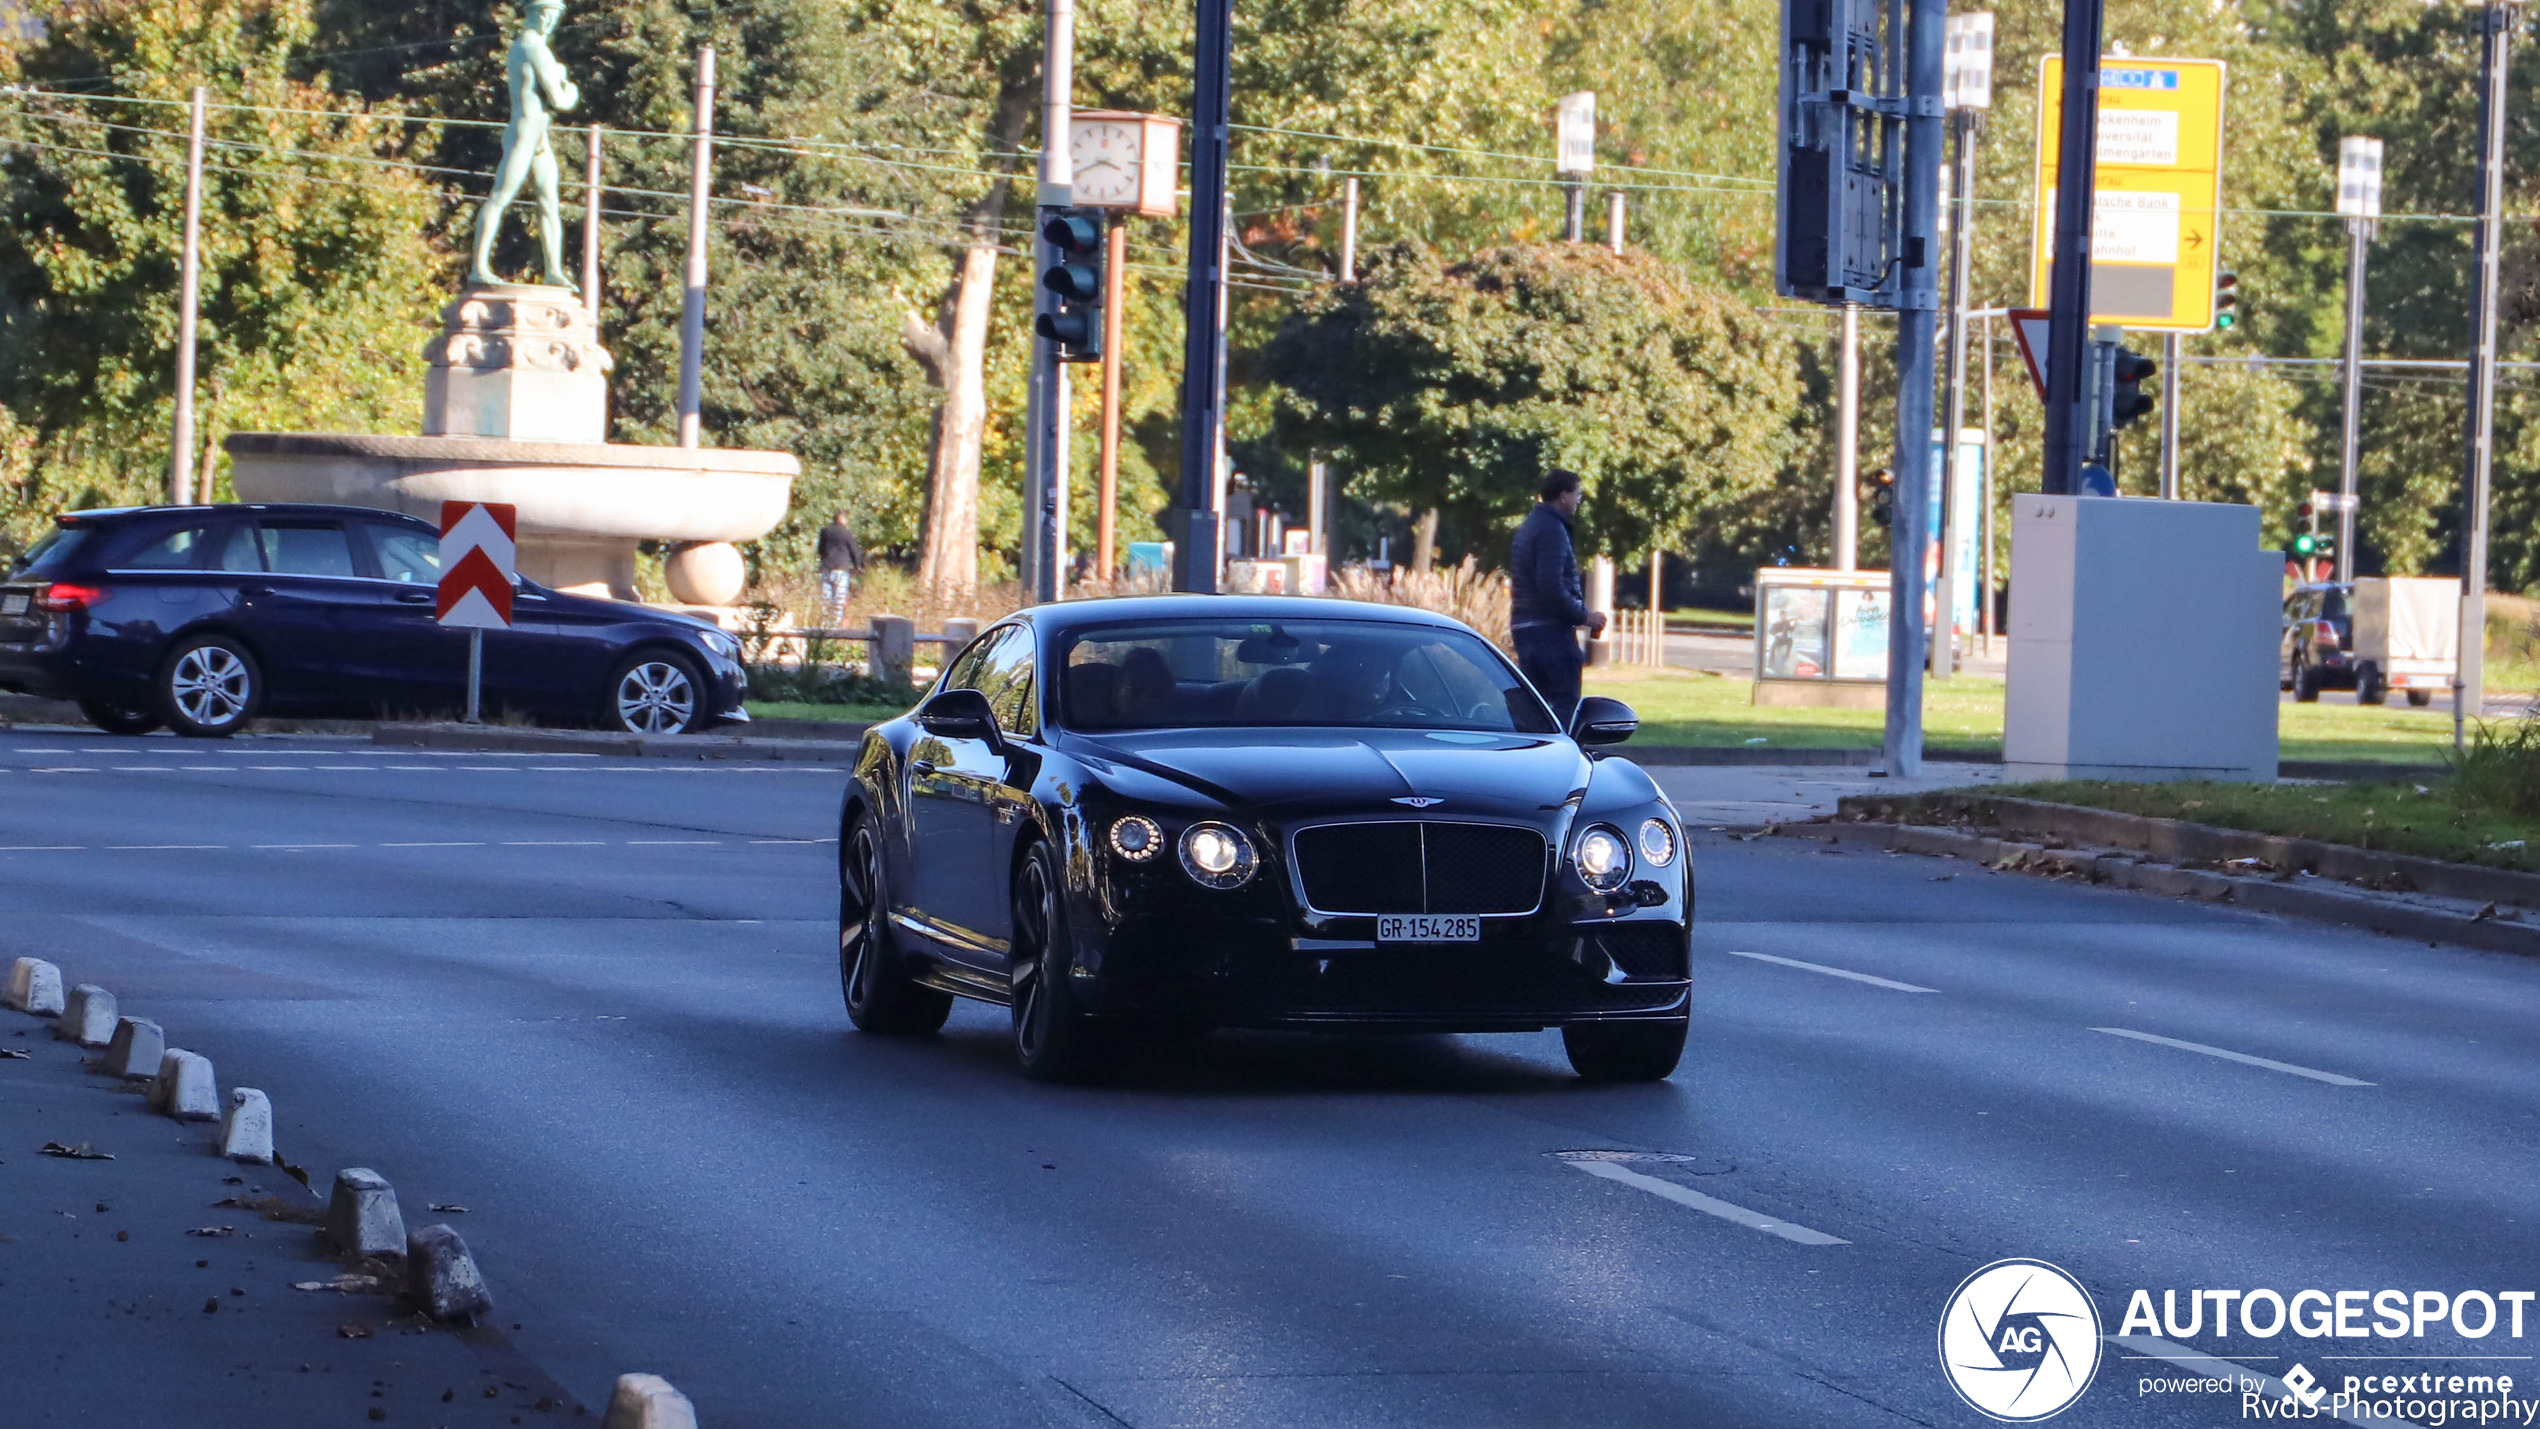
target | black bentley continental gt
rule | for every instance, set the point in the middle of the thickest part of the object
(1174, 813)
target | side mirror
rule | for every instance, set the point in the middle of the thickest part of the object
(1603, 721)
(959, 714)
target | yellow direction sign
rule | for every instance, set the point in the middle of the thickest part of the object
(2159, 193)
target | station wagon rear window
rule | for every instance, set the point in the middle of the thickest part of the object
(53, 552)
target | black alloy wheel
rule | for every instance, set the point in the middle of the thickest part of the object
(881, 998)
(2306, 683)
(115, 718)
(210, 687)
(1636, 1051)
(2370, 687)
(1053, 1039)
(655, 692)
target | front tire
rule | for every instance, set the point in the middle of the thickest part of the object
(1054, 1041)
(210, 687)
(118, 719)
(1638, 1051)
(2370, 687)
(881, 997)
(2420, 698)
(655, 692)
(2306, 685)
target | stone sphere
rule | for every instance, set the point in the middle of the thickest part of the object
(707, 573)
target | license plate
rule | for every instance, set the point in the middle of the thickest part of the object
(1429, 928)
(13, 604)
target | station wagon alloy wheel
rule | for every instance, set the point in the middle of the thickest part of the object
(655, 694)
(210, 687)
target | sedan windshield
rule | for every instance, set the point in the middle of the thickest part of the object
(1183, 673)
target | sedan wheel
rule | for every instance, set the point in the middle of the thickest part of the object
(656, 693)
(1638, 1051)
(881, 998)
(210, 688)
(118, 719)
(1052, 1037)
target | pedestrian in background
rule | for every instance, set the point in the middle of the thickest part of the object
(841, 560)
(1546, 601)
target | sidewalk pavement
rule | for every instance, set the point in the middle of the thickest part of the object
(1708, 795)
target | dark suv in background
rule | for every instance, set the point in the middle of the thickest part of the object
(203, 617)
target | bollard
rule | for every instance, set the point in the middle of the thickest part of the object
(136, 1049)
(246, 1129)
(646, 1401)
(362, 1217)
(183, 1088)
(88, 1018)
(893, 648)
(442, 1277)
(959, 631)
(35, 986)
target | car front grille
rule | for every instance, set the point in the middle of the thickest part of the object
(1407, 866)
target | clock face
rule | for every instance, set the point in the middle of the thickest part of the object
(1105, 155)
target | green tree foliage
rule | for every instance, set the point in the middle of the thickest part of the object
(1453, 386)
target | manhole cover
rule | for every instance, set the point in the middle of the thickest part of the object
(1697, 1165)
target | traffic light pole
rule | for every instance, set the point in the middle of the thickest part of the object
(1046, 398)
(2068, 419)
(2169, 416)
(1204, 301)
(2469, 685)
(1962, 133)
(2358, 237)
(1917, 314)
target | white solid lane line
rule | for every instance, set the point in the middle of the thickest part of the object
(1889, 983)
(2332, 1078)
(2206, 1366)
(1708, 1205)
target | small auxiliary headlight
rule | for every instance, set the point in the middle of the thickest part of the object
(1136, 838)
(1657, 843)
(1217, 856)
(1603, 859)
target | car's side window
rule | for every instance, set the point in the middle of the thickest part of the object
(306, 549)
(239, 552)
(1005, 677)
(964, 674)
(404, 553)
(177, 551)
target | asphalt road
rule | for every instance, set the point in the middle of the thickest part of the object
(595, 1001)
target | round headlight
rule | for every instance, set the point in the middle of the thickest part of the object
(1603, 859)
(1657, 843)
(1136, 838)
(1217, 856)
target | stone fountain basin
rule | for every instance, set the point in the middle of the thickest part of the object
(576, 491)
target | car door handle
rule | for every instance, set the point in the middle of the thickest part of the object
(253, 591)
(416, 597)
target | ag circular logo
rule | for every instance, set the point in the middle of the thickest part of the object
(2019, 1340)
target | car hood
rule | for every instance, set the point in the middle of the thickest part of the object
(1293, 771)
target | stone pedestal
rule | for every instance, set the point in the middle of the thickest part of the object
(519, 361)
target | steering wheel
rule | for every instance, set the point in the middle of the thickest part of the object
(1403, 709)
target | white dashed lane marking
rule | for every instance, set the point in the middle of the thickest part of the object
(1889, 983)
(2332, 1078)
(1708, 1205)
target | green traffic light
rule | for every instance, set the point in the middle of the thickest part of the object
(2222, 320)
(2306, 544)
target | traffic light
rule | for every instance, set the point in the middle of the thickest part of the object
(1076, 278)
(2129, 401)
(2226, 299)
(2307, 542)
(1883, 496)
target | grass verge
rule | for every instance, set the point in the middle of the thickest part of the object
(845, 714)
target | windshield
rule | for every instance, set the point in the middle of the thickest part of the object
(51, 553)
(1182, 673)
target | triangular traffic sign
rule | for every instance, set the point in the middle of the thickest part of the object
(2029, 326)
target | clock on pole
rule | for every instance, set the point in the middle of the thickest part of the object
(1126, 163)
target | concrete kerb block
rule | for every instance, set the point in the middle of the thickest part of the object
(133, 1053)
(442, 1277)
(88, 1018)
(362, 1217)
(184, 1088)
(35, 987)
(246, 1126)
(646, 1401)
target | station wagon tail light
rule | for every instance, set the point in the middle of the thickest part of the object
(62, 595)
(1603, 859)
(1216, 856)
(1136, 838)
(1657, 843)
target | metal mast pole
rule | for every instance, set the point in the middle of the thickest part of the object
(692, 306)
(1045, 392)
(1614, 221)
(189, 285)
(1917, 314)
(1962, 125)
(2169, 416)
(1847, 442)
(591, 223)
(2358, 240)
(1984, 590)
(1204, 297)
(2068, 421)
(2469, 687)
(1115, 278)
(1349, 230)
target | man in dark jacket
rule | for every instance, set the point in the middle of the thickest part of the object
(841, 558)
(1546, 602)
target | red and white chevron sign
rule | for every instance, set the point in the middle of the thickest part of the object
(477, 559)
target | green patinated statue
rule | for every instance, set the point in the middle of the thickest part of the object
(538, 90)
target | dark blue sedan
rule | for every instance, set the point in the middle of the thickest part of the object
(204, 617)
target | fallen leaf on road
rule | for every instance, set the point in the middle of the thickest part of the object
(213, 1232)
(352, 1330)
(2483, 914)
(453, 1210)
(81, 1152)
